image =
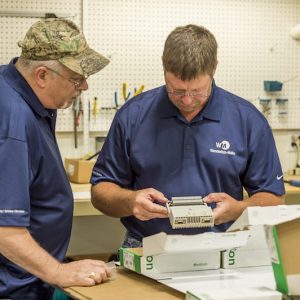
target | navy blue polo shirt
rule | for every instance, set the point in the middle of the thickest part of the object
(34, 190)
(227, 146)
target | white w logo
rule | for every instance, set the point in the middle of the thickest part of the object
(224, 145)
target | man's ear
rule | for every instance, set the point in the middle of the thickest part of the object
(41, 75)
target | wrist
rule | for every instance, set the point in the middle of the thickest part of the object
(53, 273)
(131, 196)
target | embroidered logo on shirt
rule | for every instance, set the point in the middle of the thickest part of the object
(12, 211)
(279, 177)
(222, 148)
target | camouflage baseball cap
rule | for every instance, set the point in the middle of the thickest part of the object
(60, 39)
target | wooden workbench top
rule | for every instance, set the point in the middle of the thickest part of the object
(84, 207)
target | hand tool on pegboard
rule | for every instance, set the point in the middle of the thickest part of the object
(77, 111)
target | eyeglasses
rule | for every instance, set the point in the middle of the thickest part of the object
(181, 94)
(77, 83)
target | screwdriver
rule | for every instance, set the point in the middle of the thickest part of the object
(293, 182)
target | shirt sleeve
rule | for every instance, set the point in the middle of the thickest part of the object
(113, 163)
(14, 183)
(264, 173)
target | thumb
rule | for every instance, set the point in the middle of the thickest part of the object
(212, 198)
(158, 196)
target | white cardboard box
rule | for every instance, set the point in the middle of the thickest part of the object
(255, 252)
(260, 293)
(239, 283)
(162, 243)
(259, 215)
(133, 259)
(164, 253)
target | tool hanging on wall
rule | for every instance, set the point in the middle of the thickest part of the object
(126, 95)
(124, 90)
(74, 108)
(116, 100)
(77, 111)
(95, 108)
(296, 143)
(138, 91)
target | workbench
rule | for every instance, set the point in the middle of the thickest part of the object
(128, 286)
(242, 282)
(84, 207)
(82, 200)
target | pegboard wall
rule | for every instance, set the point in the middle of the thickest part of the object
(253, 36)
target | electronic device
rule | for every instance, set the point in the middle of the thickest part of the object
(189, 212)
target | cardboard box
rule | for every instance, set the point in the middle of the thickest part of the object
(255, 252)
(78, 170)
(283, 239)
(164, 253)
(133, 259)
(260, 293)
(127, 285)
(204, 242)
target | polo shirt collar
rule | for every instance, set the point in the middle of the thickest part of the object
(214, 107)
(166, 108)
(212, 110)
(18, 83)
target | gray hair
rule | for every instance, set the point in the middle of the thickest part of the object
(190, 51)
(29, 65)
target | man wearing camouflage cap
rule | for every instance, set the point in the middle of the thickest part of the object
(36, 201)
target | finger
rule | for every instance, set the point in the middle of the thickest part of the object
(217, 215)
(101, 276)
(213, 198)
(162, 200)
(158, 196)
(158, 216)
(155, 208)
(100, 266)
(89, 281)
(145, 216)
(98, 277)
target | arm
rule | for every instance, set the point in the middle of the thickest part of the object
(18, 246)
(115, 201)
(229, 209)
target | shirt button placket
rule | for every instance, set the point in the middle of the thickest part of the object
(188, 149)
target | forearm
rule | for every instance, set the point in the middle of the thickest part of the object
(112, 200)
(263, 199)
(18, 246)
(229, 209)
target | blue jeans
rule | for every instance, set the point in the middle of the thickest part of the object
(131, 242)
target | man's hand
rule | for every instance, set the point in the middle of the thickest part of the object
(85, 272)
(143, 207)
(227, 208)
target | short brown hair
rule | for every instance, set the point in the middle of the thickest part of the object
(190, 51)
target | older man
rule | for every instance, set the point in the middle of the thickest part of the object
(36, 201)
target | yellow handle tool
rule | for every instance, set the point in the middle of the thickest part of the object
(95, 106)
(124, 89)
(139, 90)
